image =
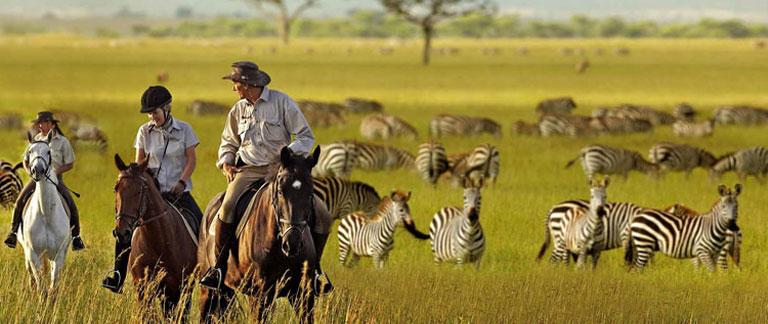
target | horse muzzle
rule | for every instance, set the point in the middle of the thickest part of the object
(292, 241)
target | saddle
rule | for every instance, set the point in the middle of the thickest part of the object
(245, 205)
(63, 202)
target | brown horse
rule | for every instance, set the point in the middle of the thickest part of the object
(161, 248)
(274, 256)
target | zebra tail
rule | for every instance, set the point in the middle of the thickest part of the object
(411, 227)
(19, 165)
(571, 162)
(547, 240)
(629, 248)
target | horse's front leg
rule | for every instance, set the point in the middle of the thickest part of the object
(35, 276)
(57, 266)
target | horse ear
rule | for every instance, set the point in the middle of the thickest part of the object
(315, 157)
(119, 163)
(285, 156)
(49, 137)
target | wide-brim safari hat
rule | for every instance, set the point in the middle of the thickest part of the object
(44, 116)
(249, 73)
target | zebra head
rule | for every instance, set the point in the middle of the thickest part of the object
(472, 196)
(597, 193)
(729, 204)
(400, 208)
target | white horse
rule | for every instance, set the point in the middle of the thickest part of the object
(45, 233)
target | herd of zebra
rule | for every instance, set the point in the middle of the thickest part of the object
(583, 228)
(556, 119)
(78, 127)
(665, 157)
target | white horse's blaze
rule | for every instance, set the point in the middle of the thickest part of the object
(296, 185)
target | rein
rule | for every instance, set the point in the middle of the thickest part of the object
(138, 220)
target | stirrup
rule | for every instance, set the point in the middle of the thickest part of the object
(316, 282)
(116, 289)
(208, 274)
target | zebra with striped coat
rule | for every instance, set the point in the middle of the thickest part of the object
(684, 111)
(600, 159)
(577, 231)
(483, 161)
(383, 126)
(702, 237)
(342, 197)
(362, 236)
(617, 125)
(379, 157)
(336, 160)
(680, 157)
(562, 105)
(740, 115)
(752, 161)
(455, 233)
(10, 183)
(732, 238)
(682, 128)
(431, 161)
(559, 124)
(453, 125)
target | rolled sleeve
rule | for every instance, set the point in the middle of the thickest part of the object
(140, 142)
(67, 153)
(297, 125)
(230, 140)
(190, 138)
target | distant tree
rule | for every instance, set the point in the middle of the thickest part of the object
(477, 25)
(428, 13)
(284, 16)
(184, 12)
(583, 26)
(611, 27)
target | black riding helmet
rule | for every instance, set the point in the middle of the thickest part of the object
(155, 97)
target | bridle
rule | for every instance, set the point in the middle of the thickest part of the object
(47, 163)
(300, 226)
(137, 220)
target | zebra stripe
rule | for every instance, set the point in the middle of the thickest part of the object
(702, 237)
(383, 126)
(483, 159)
(336, 160)
(567, 125)
(458, 125)
(600, 159)
(379, 157)
(683, 128)
(651, 115)
(740, 115)
(732, 238)
(374, 237)
(343, 197)
(562, 105)
(10, 184)
(455, 233)
(431, 161)
(685, 112)
(680, 157)
(616, 125)
(752, 161)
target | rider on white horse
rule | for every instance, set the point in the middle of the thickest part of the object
(62, 160)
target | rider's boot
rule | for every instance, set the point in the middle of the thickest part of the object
(116, 277)
(326, 287)
(215, 276)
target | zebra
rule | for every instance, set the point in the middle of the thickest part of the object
(751, 161)
(324, 118)
(653, 116)
(431, 161)
(451, 125)
(455, 233)
(702, 237)
(483, 159)
(343, 197)
(559, 124)
(562, 105)
(740, 115)
(361, 106)
(680, 157)
(10, 183)
(693, 129)
(373, 237)
(618, 125)
(379, 157)
(89, 133)
(400, 127)
(522, 128)
(684, 111)
(577, 227)
(600, 159)
(307, 106)
(202, 107)
(733, 241)
(336, 160)
(383, 126)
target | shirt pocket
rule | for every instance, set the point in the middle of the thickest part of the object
(273, 130)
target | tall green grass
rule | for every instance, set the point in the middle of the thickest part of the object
(105, 78)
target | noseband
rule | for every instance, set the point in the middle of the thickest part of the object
(136, 220)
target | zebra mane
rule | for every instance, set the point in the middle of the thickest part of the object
(386, 201)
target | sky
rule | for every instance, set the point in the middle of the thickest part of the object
(661, 10)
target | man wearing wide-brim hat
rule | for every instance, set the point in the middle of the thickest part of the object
(257, 128)
(62, 160)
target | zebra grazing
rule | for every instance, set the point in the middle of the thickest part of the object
(362, 106)
(732, 245)
(620, 125)
(740, 115)
(560, 124)
(322, 114)
(752, 161)
(307, 106)
(702, 237)
(10, 183)
(89, 133)
(202, 108)
(577, 228)
(455, 233)
(600, 159)
(373, 237)
(10, 121)
(452, 125)
(683, 128)
(651, 115)
(431, 161)
(343, 197)
(562, 105)
(336, 160)
(483, 159)
(383, 126)
(522, 128)
(680, 157)
(379, 157)
(684, 111)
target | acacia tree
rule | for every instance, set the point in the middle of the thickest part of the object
(428, 13)
(283, 16)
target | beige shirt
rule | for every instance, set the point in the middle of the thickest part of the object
(61, 150)
(255, 132)
(179, 136)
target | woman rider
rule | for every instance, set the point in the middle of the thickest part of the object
(170, 145)
(62, 160)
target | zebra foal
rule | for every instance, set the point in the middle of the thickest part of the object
(455, 233)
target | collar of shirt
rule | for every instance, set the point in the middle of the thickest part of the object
(41, 137)
(165, 128)
(263, 97)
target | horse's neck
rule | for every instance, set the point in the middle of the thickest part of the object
(47, 196)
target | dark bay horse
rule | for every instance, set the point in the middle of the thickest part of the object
(161, 248)
(274, 255)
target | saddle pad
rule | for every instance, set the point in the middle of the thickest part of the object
(245, 206)
(190, 223)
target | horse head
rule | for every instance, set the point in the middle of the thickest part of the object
(292, 198)
(133, 190)
(39, 157)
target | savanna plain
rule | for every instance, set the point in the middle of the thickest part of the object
(105, 78)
